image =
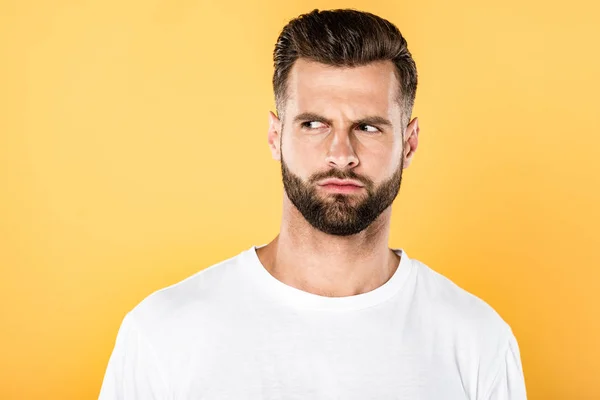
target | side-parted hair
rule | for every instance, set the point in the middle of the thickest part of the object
(343, 38)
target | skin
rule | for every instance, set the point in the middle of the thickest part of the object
(301, 255)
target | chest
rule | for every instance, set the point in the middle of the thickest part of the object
(328, 362)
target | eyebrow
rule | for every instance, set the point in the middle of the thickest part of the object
(369, 120)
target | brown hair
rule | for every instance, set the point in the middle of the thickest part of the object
(345, 38)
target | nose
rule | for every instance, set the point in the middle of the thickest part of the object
(341, 154)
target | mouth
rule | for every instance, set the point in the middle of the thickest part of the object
(340, 182)
(341, 188)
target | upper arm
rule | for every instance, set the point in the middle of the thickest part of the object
(508, 382)
(133, 370)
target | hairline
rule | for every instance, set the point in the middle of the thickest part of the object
(399, 98)
(281, 101)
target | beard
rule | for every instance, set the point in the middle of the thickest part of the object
(340, 214)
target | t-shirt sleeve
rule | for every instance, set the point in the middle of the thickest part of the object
(509, 382)
(133, 371)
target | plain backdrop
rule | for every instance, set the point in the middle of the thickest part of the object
(133, 153)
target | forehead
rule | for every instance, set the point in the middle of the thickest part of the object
(366, 89)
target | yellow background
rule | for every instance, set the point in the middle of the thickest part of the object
(133, 153)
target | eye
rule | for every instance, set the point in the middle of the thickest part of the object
(312, 124)
(368, 128)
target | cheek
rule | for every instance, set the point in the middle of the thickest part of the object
(391, 159)
(380, 161)
(302, 158)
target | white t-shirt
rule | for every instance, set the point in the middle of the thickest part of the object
(234, 331)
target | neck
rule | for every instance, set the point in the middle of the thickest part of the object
(334, 266)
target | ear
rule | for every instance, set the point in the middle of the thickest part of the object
(411, 141)
(273, 136)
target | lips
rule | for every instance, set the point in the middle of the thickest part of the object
(345, 186)
(341, 183)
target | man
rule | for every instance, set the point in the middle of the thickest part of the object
(326, 310)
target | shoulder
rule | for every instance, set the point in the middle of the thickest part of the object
(172, 305)
(460, 311)
(476, 336)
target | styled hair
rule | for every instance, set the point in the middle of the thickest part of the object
(343, 38)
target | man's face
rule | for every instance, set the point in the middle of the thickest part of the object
(344, 124)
